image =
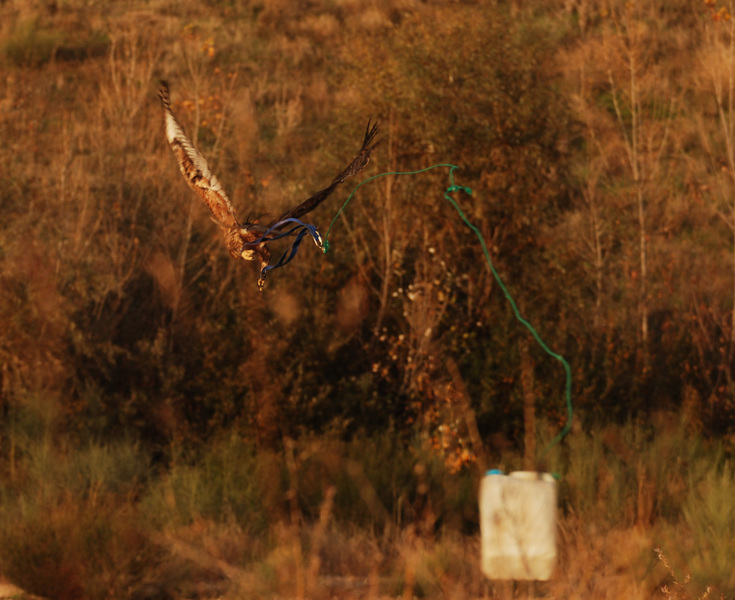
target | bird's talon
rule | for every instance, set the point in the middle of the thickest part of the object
(261, 280)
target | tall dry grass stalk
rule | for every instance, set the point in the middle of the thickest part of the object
(679, 590)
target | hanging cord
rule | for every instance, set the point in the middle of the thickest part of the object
(325, 245)
(456, 188)
(303, 230)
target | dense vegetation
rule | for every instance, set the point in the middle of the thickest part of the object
(331, 425)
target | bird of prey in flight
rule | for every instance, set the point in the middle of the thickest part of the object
(249, 240)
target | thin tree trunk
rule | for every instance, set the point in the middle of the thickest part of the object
(529, 407)
(469, 415)
(643, 291)
(595, 247)
(731, 158)
(387, 229)
(632, 148)
(636, 167)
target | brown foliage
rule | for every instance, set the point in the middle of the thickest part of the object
(598, 141)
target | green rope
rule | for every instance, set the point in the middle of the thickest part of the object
(455, 188)
(325, 245)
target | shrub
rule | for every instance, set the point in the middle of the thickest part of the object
(31, 45)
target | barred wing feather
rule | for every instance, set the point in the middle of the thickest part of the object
(194, 168)
(357, 165)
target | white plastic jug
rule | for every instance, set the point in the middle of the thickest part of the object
(518, 525)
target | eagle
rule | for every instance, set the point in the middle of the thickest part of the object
(249, 240)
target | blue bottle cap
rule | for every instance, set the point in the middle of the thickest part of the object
(494, 472)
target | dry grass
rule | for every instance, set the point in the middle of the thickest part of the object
(679, 589)
(232, 523)
(265, 467)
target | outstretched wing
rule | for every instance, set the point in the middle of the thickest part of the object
(193, 166)
(357, 165)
